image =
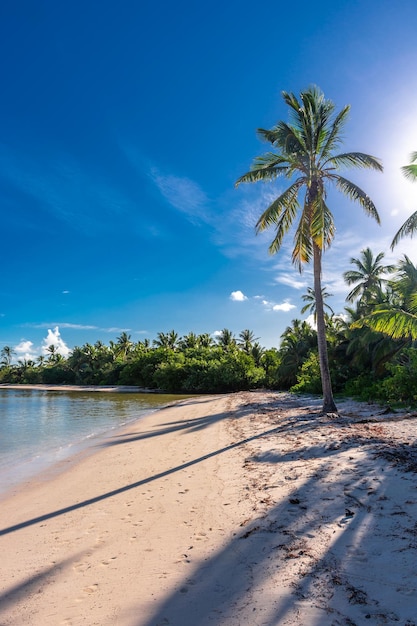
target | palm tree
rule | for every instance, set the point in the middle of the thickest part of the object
(6, 355)
(410, 225)
(398, 319)
(53, 353)
(189, 341)
(296, 342)
(167, 340)
(226, 339)
(305, 154)
(205, 340)
(257, 351)
(124, 345)
(367, 278)
(246, 340)
(310, 298)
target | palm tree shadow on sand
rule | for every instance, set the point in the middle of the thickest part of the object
(340, 549)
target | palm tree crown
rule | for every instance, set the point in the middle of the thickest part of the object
(367, 277)
(305, 153)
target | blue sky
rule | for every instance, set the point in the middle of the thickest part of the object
(124, 128)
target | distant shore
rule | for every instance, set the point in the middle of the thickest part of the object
(106, 388)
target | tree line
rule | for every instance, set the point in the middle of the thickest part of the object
(364, 362)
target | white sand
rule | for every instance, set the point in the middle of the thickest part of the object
(245, 509)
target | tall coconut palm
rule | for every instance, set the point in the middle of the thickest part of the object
(305, 152)
(367, 278)
(410, 225)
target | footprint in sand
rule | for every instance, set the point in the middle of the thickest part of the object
(201, 536)
(91, 588)
(81, 567)
(106, 562)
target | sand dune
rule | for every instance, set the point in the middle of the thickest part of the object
(244, 509)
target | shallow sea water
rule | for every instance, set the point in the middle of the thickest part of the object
(38, 427)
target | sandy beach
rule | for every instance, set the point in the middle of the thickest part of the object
(243, 509)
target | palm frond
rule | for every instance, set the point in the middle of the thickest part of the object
(322, 226)
(263, 173)
(395, 323)
(408, 228)
(287, 201)
(410, 171)
(303, 243)
(334, 138)
(355, 193)
(355, 159)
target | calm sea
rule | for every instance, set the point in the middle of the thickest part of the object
(39, 428)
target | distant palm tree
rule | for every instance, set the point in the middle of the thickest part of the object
(246, 340)
(310, 298)
(167, 340)
(6, 355)
(189, 341)
(367, 278)
(53, 353)
(305, 152)
(205, 340)
(226, 339)
(124, 345)
(257, 352)
(410, 225)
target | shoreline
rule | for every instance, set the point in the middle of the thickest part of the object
(19, 465)
(246, 508)
(104, 388)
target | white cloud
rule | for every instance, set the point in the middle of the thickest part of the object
(25, 350)
(238, 296)
(285, 306)
(54, 338)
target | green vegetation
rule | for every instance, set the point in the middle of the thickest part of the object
(305, 152)
(369, 357)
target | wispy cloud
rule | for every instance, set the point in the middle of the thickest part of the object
(292, 281)
(183, 194)
(63, 325)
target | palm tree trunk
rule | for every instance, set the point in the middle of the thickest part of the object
(329, 405)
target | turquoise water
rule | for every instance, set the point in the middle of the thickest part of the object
(38, 428)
